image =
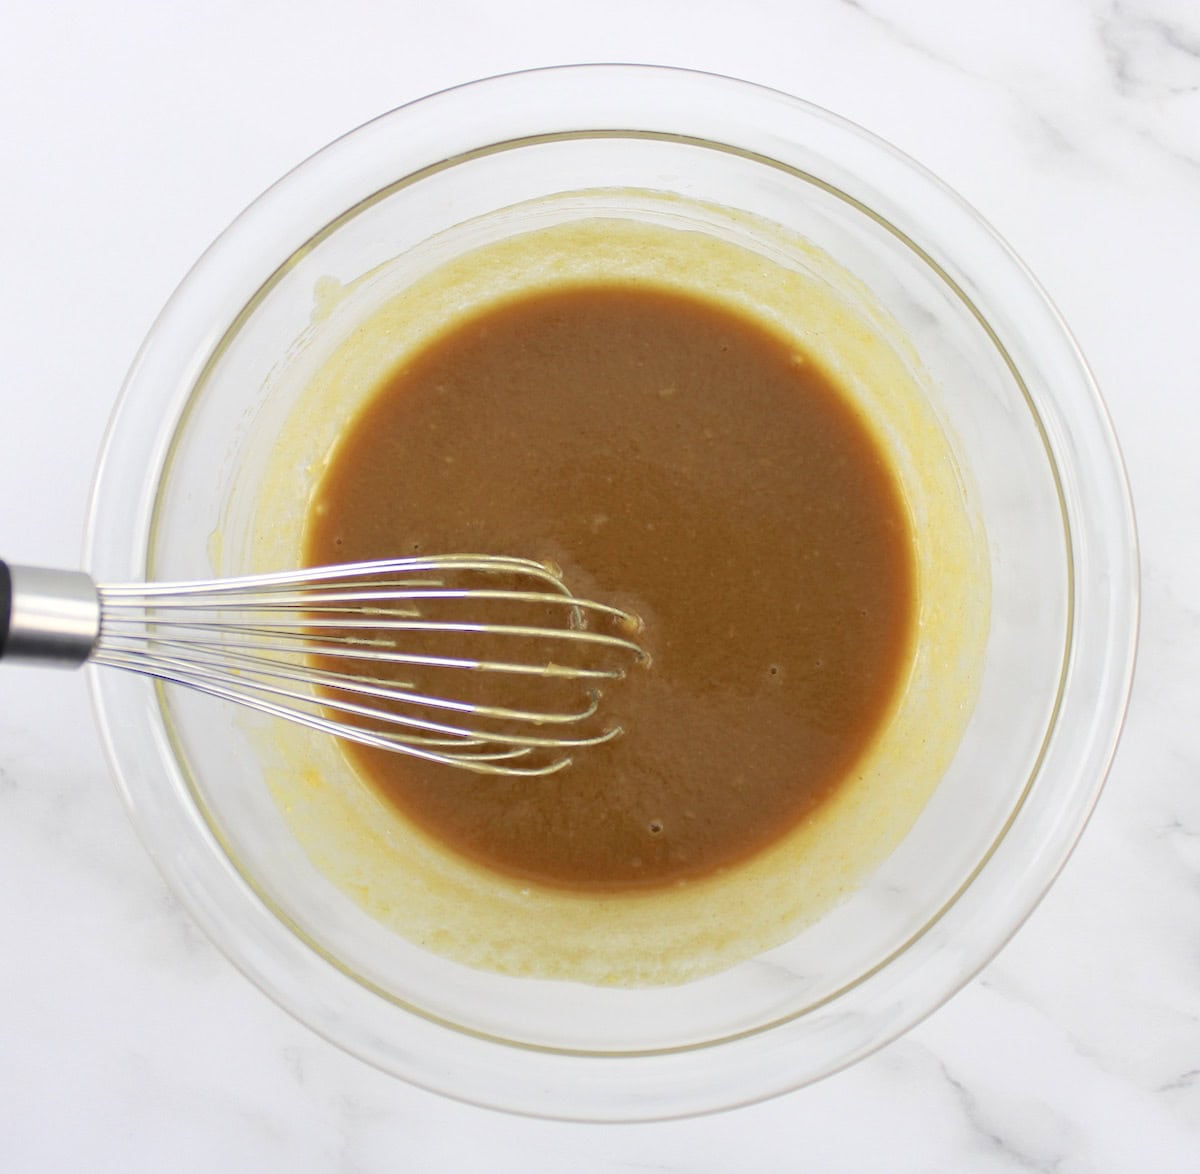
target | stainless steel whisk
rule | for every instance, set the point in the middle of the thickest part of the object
(264, 641)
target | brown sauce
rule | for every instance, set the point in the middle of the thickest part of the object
(685, 461)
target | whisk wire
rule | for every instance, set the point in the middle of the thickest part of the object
(322, 647)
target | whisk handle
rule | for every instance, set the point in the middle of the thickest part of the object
(47, 616)
(5, 603)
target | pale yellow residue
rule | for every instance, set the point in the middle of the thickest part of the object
(216, 550)
(326, 296)
(434, 898)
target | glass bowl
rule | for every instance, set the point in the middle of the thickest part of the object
(217, 378)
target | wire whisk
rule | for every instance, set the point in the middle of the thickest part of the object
(482, 662)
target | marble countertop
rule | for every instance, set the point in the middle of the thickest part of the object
(133, 133)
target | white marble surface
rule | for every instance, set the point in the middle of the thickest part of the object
(132, 133)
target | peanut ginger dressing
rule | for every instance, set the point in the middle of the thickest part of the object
(686, 462)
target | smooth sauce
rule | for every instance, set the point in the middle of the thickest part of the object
(680, 459)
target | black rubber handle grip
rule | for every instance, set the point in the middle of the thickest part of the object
(5, 603)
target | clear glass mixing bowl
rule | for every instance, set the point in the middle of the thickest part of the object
(195, 425)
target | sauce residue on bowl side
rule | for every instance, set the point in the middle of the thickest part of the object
(455, 889)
